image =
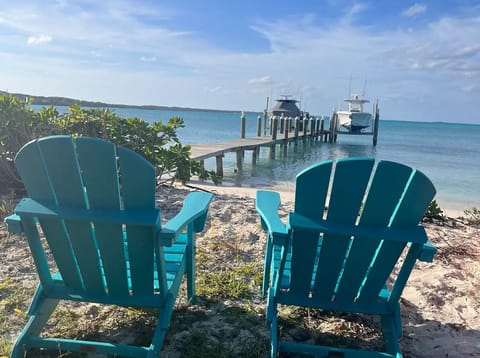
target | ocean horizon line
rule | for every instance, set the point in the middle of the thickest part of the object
(59, 101)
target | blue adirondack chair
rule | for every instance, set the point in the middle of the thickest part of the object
(95, 204)
(341, 258)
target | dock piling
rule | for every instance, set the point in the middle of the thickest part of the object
(239, 160)
(323, 132)
(297, 127)
(242, 125)
(287, 127)
(282, 123)
(376, 123)
(265, 117)
(275, 127)
(219, 162)
(305, 127)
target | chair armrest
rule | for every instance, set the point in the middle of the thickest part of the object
(195, 208)
(14, 224)
(415, 234)
(35, 209)
(267, 204)
(428, 252)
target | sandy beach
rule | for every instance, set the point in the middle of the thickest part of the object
(440, 305)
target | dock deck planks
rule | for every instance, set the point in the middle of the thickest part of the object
(204, 151)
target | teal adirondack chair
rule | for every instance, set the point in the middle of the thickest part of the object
(342, 258)
(95, 204)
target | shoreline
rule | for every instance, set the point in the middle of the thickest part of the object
(287, 196)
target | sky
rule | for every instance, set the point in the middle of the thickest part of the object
(421, 60)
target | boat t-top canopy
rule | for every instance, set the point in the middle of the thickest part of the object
(356, 102)
(357, 98)
(287, 107)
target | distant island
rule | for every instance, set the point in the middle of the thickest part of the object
(64, 101)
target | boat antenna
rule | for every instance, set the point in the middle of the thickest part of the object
(364, 86)
(350, 87)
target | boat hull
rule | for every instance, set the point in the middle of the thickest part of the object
(354, 121)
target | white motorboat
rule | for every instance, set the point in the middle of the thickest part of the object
(354, 119)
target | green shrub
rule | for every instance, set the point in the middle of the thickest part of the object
(157, 142)
(18, 125)
(434, 211)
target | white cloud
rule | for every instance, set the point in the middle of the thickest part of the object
(469, 88)
(354, 10)
(260, 81)
(414, 10)
(39, 40)
(469, 50)
(309, 58)
(148, 59)
(117, 25)
(214, 89)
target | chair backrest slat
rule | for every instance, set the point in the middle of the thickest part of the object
(311, 190)
(98, 160)
(304, 252)
(138, 189)
(350, 180)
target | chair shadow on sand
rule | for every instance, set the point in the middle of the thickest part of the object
(430, 338)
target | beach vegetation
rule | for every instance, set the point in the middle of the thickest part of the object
(158, 142)
(7, 205)
(473, 216)
(14, 300)
(434, 212)
(240, 281)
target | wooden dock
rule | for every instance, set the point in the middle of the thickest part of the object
(281, 131)
(204, 151)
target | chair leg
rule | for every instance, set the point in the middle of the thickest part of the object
(391, 334)
(271, 306)
(162, 326)
(267, 266)
(39, 312)
(190, 252)
(274, 334)
(398, 321)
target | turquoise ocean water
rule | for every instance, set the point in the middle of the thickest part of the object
(447, 153)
